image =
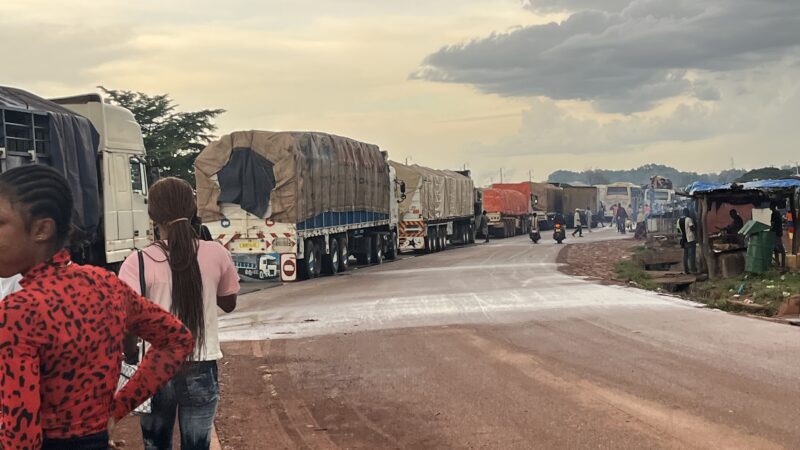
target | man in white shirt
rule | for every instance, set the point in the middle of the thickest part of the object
(9, 285)
(688, 242)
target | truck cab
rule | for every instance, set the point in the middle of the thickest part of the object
(123, 172)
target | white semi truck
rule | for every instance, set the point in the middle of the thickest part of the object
(99, 147)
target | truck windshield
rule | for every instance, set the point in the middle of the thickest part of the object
(617, 190)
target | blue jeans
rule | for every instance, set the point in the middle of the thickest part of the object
(192, 395)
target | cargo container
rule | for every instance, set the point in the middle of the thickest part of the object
(546, 200)
(438, 209)
(508, 210)
(579, 197)
(302, 201)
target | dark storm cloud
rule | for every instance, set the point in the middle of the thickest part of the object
(624, 61)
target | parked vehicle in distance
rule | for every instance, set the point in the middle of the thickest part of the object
(438, 208)
(509, 212)
(628, 195)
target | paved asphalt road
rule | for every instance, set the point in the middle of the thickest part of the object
(489, 346)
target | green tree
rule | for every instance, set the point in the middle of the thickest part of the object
(172, 138)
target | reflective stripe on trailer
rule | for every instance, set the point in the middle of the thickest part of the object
(414, 228)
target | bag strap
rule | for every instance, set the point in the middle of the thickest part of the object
(142, 291)
(142, 283)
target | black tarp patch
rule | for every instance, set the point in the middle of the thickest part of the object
(247, 180)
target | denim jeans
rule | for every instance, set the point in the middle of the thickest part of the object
(192, 395)
(97, 441)
(690, 257)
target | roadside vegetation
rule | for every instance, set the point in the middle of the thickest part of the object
(634, 274)
(757, 294)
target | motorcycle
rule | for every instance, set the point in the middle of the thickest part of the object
(559, 234)
(535, 236)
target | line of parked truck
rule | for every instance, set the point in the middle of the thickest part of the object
(287, 205)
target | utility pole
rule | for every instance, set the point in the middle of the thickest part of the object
(501, 175)
(408, 158)
(530, 176)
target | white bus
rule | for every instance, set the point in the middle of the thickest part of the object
(628, 195)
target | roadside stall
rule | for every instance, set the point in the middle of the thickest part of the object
(723, 253)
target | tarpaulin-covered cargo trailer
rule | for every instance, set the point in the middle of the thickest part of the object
(438, 208)
(297, 200)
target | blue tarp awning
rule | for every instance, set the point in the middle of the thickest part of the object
(700, 187)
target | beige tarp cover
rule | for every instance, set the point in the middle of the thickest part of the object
(444, 194)
(315, 173)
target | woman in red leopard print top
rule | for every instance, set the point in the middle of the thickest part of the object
(61, 336)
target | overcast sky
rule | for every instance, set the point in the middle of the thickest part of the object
(523, 85)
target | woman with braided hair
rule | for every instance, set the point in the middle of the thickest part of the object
(61, 335)
(189, 277)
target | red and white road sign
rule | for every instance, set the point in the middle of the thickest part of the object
(288, 267)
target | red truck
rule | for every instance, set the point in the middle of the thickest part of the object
(508, 210)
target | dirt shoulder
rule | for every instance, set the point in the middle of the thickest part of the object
(596, 260)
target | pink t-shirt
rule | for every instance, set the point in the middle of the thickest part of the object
(219, 279)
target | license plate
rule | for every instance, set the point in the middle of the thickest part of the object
(248, 245)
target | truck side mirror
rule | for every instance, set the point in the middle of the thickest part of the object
(403, 188)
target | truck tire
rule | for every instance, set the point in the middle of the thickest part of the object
(391, 253)
(377, 249)
(310, 265)
(429, 241)
(344, 254)
(435, 240)
(443, 237)
(471, 233)
(330, 262)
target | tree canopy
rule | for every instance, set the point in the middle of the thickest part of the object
(641, 175)
(172, 138)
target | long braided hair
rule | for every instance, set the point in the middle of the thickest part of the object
(43, 193)
(171, 205)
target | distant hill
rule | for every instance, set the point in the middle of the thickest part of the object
(641, 176)
(766, 173)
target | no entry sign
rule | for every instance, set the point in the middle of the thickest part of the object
(288, 267)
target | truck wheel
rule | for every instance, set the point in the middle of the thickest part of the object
(392, 252)
(330, 262)
(435, 242)
(429, 247)
(310, 265)
(443, 237)
(344, 254)
(377, 249)
(471, 233)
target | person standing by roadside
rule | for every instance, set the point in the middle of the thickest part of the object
(189, 277)
(622, 218)
(687, 229)
(777, 228)
(601, 215)
(62, 334)
(589, 219)
(485, 226)
(577, 223)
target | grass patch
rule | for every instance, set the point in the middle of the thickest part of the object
(769, 289)
(627, 270)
